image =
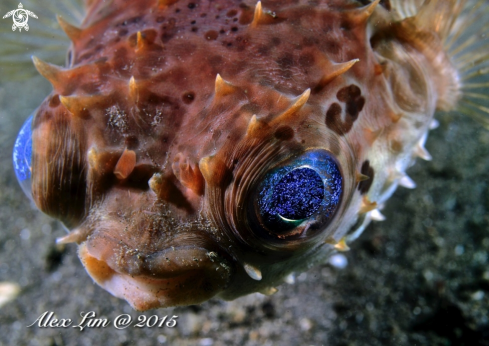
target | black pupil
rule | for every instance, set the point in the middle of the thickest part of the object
(298, 194)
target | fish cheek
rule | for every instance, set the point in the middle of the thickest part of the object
(143, 255)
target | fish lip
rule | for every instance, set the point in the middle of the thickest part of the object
(182, 275)
(167, 259)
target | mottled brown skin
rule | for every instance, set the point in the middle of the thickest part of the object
(169, 228)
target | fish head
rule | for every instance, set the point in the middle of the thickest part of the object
(234, 201)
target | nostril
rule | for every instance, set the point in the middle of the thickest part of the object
(140, 176)
(110, 168)
(165, 187)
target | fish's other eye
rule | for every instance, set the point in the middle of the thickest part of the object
(299, 197)
(22, 157)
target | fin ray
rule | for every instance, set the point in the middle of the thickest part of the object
(467, 45)
(44, 40)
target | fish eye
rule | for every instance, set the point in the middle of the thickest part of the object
(299, 197)
(22, 157)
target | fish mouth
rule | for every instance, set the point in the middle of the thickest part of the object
(182, 275)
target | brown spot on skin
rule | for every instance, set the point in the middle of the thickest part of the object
(242, 43)
(231, 13)
(354, 107)
(246, 16)
(188, 97)
(332, 47)
(348, 93)
(364, 186)
(351, 95)
(169, 30)
(211, 35)
(275, 41)
(264, 50)
(333, 119)
(306, 60)
(284, 133)
(309, 41)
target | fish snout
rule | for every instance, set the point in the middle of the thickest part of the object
(182, 275)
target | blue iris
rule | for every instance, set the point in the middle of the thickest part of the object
(297, 195)
(307, 188)
(22, 156)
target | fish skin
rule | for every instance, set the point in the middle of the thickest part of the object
(200, 107)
